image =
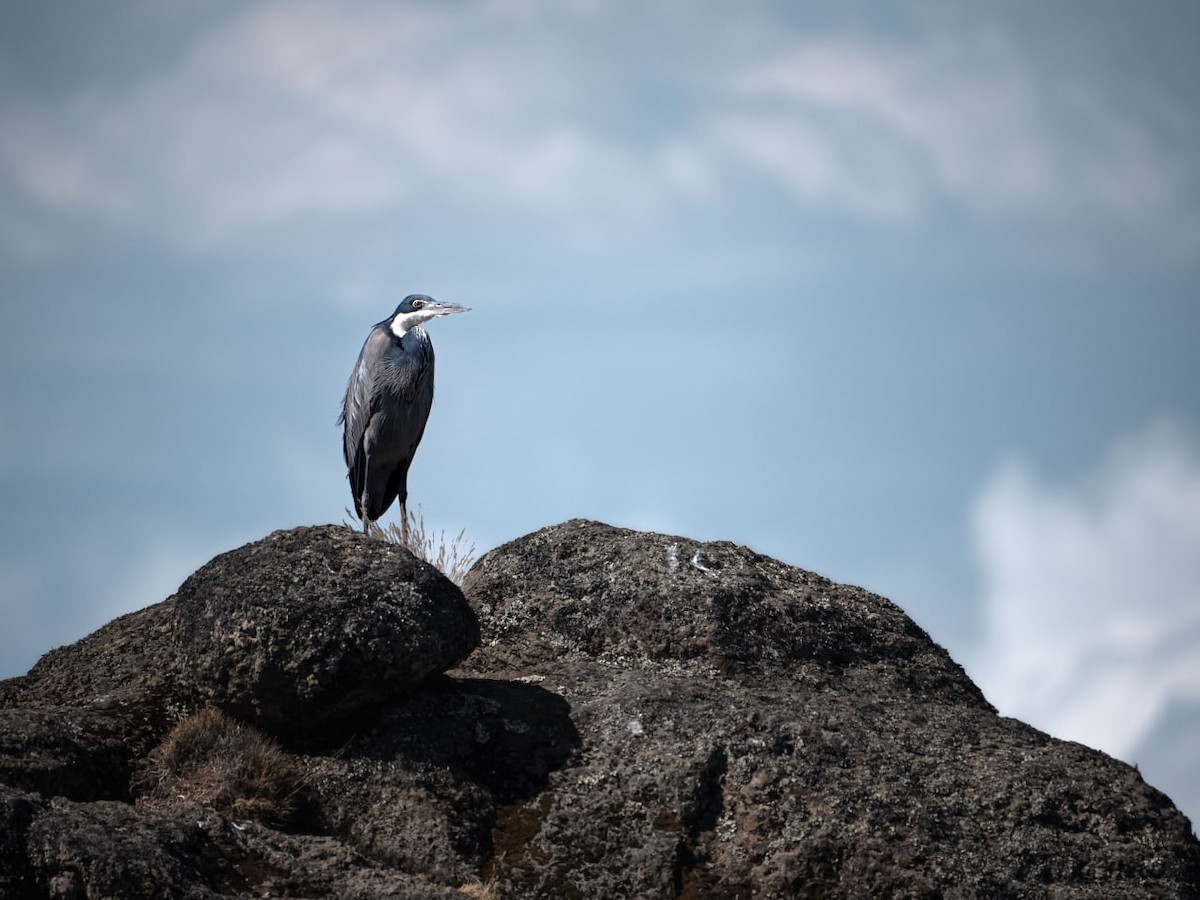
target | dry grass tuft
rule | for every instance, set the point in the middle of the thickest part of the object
(453, 558)
(479, 890)
(213, 759)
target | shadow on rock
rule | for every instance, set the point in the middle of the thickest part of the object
(419, 783)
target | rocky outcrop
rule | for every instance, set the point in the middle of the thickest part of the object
(306, 627)
(644, 716)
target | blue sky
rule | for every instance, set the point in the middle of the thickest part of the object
(907, 294)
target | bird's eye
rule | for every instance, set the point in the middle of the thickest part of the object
(417, 304)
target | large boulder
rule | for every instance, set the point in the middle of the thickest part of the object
(633, 599)
(752, 729)
(645, 716)
(315, 624)
(291, 632)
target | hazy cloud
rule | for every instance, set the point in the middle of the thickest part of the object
(888, 128)
(1092, 591)
(315, 108)
(291, 109)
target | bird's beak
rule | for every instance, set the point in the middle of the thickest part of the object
(439, 308)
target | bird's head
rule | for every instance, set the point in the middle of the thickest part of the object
(416, 309)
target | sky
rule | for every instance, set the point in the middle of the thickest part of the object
(907, 294)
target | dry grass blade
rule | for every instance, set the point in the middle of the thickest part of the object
(479, 890)
(453, 558)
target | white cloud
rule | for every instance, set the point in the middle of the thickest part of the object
(1092, 591)
(887, 129)
(302, 108)
(842, 169)
(310, 108)
(904, 120)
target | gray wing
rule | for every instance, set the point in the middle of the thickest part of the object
(356, 409)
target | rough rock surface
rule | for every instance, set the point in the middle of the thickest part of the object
(753, 729)
(305, 627)
(128, 672)
(647, 716)
(627, 598)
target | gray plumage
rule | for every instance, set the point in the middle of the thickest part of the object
(387, 404)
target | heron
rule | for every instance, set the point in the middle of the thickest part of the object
(387, 404)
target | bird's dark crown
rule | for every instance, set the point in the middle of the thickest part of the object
(411, 303)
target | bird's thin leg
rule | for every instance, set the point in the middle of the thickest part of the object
(404, 521)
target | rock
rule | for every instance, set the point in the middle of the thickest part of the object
(109, 674)
(16, 812)
(635, 599)
(292, 632)
(646, 716)
(419, 784)
(108, 667)
(108, 849)
(714, 788)
(63, 752)
(312, 625)
(755, 730)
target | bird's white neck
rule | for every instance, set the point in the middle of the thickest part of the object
(406, 322)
